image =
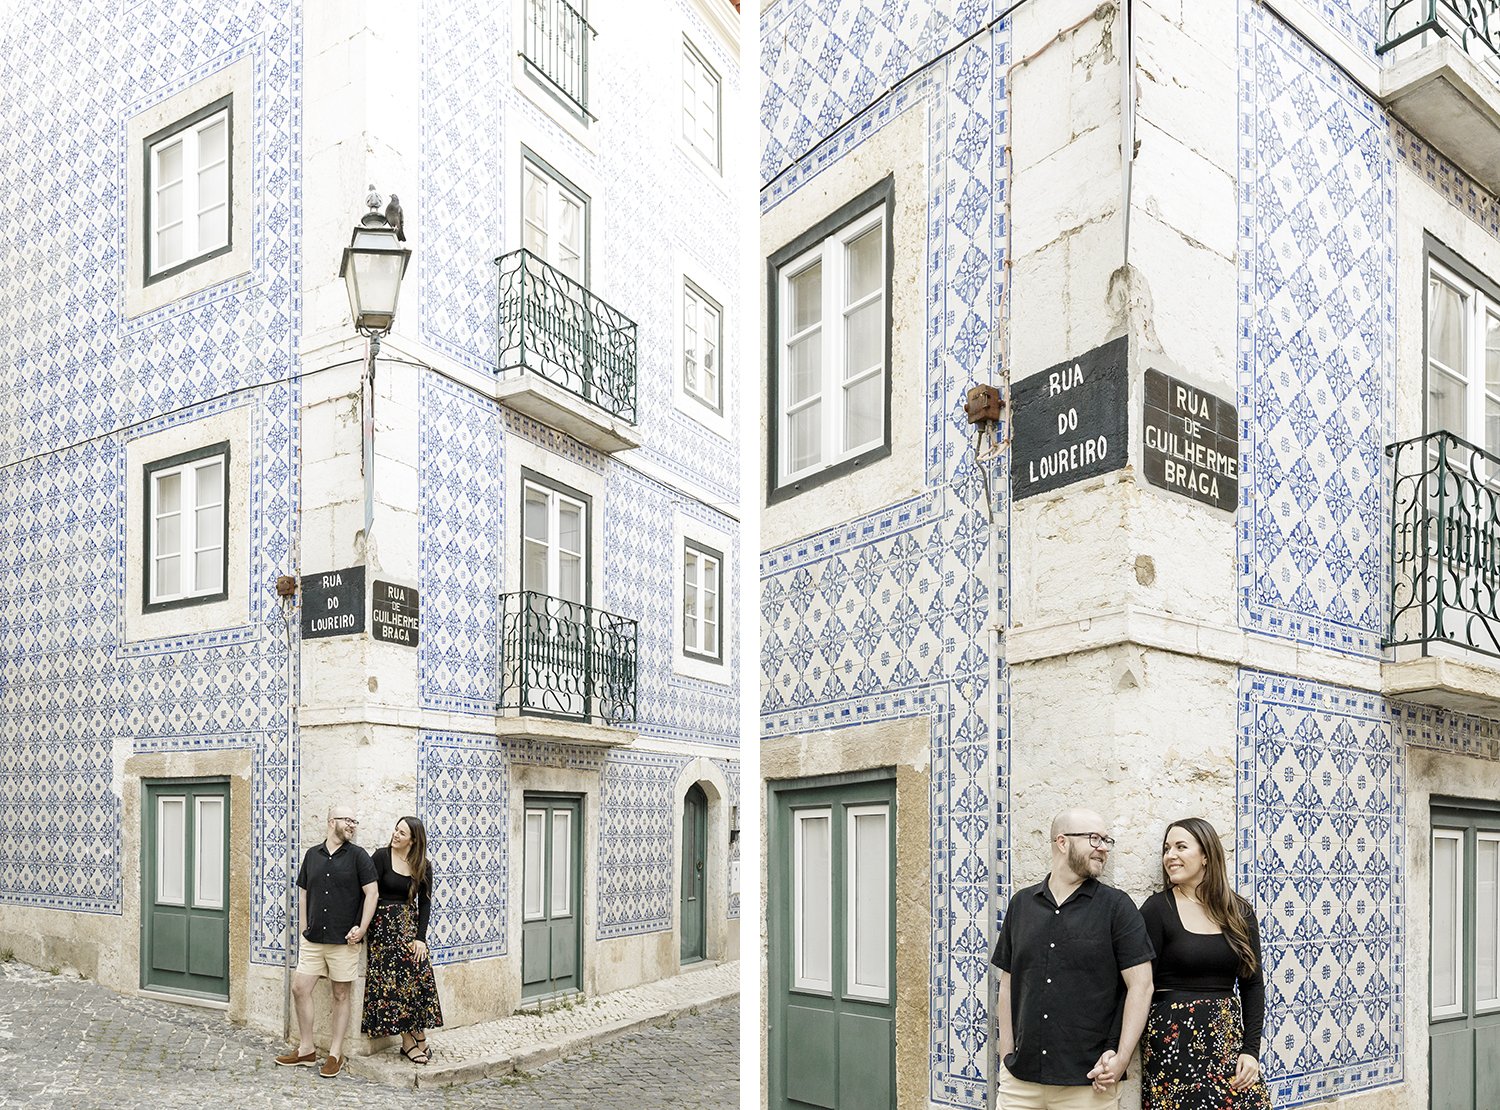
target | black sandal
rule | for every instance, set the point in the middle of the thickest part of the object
(417, 1049)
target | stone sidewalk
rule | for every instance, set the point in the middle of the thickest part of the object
(70, 1044)
(526, 1040)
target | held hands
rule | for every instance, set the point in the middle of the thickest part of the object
(1108, 1070)
(1246, 1071)
(354, 935)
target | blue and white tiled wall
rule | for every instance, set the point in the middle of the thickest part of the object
(884, 616)
(1321, 786)
(83, 380)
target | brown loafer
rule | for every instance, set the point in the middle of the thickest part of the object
(292, 1060)
(331, 1067)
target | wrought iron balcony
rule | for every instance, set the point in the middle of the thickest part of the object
(565, 659)
(556, 49)
(554, 327)
(1473, 24)
(1445, 545)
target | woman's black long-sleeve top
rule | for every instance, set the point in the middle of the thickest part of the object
(395, 887)
(1202, 965)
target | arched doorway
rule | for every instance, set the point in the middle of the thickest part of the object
(694, 873)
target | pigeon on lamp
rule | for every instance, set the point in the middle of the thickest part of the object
(394, 217)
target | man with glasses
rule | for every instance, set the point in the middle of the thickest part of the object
(1075, 978)
(334, 876)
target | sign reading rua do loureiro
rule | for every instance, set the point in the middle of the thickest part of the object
(333, 603)
(1071, 422)
(1191, 442)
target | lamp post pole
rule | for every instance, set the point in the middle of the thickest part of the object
(373, 265)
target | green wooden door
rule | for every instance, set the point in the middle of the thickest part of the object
(832, 944)
(1464, 978)
(551, 895)
(185, 887)
(694, 875)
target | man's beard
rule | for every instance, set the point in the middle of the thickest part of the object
(344, 835)
(1080, 861)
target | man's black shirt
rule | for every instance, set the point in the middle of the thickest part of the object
(334, 895)
(1066, 997)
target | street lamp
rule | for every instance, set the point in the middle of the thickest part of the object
(372, 268)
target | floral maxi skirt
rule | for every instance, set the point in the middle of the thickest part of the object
(400, 991)
(1188, 1056)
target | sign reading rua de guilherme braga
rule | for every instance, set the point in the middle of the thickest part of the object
(333, 603)
(394, 613)
(1071, 422)
(1191, 441)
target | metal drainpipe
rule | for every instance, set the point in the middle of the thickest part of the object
(288, 605)
(1127, 117)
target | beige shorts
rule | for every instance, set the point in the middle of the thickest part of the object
(340, 962)
(1018, 1094)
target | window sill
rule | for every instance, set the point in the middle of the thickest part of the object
(1452, 102)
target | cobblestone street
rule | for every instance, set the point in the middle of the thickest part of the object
(70, 1043)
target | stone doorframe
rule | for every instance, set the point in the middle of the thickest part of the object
(706, 774)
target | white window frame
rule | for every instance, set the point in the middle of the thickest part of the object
(702, 574)
(171, 859)
(831, 251)
(553, 543)
(566, 860)
(1486, 1005)
(209, 895)
(801, 981)
(852, 986)
(557, 187)
(699, 80)
(696, 304)
(1459, 964)
(1478, 304)
(188, 136)
(189, 545)
(533, 882)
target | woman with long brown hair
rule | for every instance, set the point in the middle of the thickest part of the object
(400, 990)
(1201, 1048)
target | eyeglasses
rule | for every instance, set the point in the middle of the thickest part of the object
(1096, 840)
(346, 820)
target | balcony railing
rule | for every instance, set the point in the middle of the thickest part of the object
(564, 659)
(554, 327)
(1445, 545)
(556, 47)
(1475, 24)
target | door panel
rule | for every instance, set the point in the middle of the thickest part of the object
(1464, 957)
(832, 959)
(694, 874)
(185, 887)
(870, 1042)
(811, 1071)
(1452, 1067)
(551, 895)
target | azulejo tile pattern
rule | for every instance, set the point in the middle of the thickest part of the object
(463, 797)
(1422, 726)
(636, 810)
(75, 697)
(823, 64)
(460, 538)
(1317, 347)
(1320, 819)
(886, 616)
(731, 772)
